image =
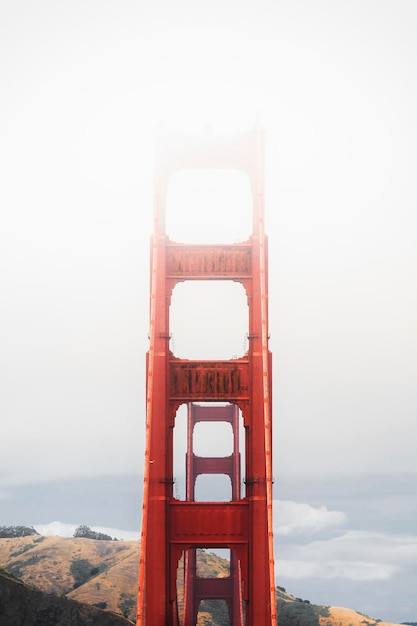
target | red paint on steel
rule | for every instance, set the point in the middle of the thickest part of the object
(197, 588)
(244, 525)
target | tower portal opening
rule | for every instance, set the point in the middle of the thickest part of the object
(209, 206)
(209, 320)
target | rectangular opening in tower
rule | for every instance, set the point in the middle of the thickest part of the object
(210, 440)
(209, 206)
(209, 320)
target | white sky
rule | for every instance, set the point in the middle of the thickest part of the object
(82, 85)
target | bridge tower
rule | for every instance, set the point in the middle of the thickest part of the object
(197, 588)
(172, 527)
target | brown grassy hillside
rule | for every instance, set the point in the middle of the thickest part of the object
(294, 611)
(85, 570)
(347, 617)
(105, 574)
(23, 605)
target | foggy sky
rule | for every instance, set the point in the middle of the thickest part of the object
(82, 86)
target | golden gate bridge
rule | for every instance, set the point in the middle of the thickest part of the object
(213, 391)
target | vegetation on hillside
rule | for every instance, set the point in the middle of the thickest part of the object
(22, 604)
(299, 612)
(82, 570)
(9, 532)
(85, 532)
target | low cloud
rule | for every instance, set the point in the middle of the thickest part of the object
(296, 517)
(355, 555)
(56, 529)
(358, 545)
(353, 570)
(60, 529)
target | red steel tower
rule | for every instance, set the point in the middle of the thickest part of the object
(214, 390)
(197, 588)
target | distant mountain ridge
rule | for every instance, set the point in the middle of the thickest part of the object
(104, 574)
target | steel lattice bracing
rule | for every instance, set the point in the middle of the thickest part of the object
(171, 527)
(197, 588)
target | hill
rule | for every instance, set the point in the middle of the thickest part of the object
(104, 574)
(297, 612)
(101, 573)
(21, 605)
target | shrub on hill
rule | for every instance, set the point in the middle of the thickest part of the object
(86, 533)
(11, 532)
(298, 613)
(82, 570)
